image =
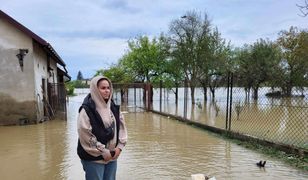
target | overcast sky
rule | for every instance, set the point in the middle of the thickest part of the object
(93, 34)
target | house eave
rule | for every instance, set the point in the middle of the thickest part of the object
(44, 44)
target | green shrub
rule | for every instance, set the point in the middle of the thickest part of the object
(69, 88)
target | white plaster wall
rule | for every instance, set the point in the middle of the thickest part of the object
(53, 65)
(15, 82)
(40, 72)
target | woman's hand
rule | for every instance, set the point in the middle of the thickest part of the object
(117, 153)
(107, 156)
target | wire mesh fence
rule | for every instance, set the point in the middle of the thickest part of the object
(277, 119)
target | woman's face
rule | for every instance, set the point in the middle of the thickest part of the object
(104, 89)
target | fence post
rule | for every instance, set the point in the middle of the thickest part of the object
(231, 89)
(176, 93)
(135, 95)
(160, 95)
(127, 91)
(148, 97)
(227, 108)
(185, 98)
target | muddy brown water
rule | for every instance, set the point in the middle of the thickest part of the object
(158, 148)
(279, 120)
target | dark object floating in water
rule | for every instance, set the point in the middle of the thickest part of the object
(261, 163)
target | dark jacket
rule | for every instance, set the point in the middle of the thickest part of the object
(101, 133)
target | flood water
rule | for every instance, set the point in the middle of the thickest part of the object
(279, 120)
(158, 148)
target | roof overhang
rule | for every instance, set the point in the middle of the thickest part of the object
(64, 74)
(45, 45)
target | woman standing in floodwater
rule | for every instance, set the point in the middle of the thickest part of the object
(101, 130)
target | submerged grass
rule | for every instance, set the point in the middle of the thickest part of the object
(292, 159)
(297, 160)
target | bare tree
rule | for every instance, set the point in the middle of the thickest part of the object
(303, 8)
(188, 38)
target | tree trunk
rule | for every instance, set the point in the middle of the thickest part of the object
(176, 94)
(213, 92)
(122, 95)
(247, 94)
(289, 90)
(192, 89)
(151, 93)
(290, 83)
(205, 93)
(255, 93)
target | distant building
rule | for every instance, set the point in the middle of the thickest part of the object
(86, 81)
(32, 76)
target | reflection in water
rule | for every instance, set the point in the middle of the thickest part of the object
(280, 120)
(158, 148)
(283, 121)
(29, 152)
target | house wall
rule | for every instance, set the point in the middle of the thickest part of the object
(53, 77)
(17, 94)
(40, 73)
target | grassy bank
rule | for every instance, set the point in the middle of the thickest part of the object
(294, 160)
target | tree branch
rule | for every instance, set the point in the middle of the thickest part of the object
(303, 9)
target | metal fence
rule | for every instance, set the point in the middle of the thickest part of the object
(57, 97)
(280, 120)
(276, 119)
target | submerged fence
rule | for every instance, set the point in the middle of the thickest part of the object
(57, 98)
(280, 120)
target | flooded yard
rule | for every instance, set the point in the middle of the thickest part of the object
(158, 148)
